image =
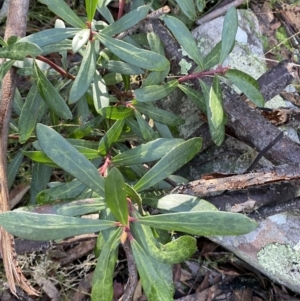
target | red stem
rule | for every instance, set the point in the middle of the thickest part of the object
(55, 67)
(121, 8)
(220, 70)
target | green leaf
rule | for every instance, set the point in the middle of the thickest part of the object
(104, 11)
(90, 6)
(188, 8)
(215, 109)
(115, 196)
(159, 115)
(183, 203)
(155, 43)
(155, 277)
(103, 277)
(217, 133)
(148, 152)
(68, 158)
(155, 92)
(86, 128)
(247, 84)
(185, 38)
(127, 21)
(85, 74)
(13, 167)
(50, 95)
(18, 51)
(80, 39)
(138, 57)
(64, 191)
(229, 31)
(116, 113)
(122, 68)
(40, 176)
(81, 207)
(146, 130)
(196, 97)
(39, 156)
(49, 36)
(36, 226)
(30, 108)
(213, 58)
(173, 160)
(100, 93)
(174, 252)
(63, 10)
(134, 196)
(110, 137)
(202, 223)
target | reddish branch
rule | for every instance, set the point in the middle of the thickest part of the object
(220, 70)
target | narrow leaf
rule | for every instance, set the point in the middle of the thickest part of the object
(215, 108)
(213, 58)
(50, 95)
(138, 57)
(183, 203)
(115, 196)
(217, 133)
(122, 68)
(174, 252)
(49, 36)
(13, 167)
(188, 8)
(63, 10)
(127, 21)
(90, 6)
(81, 207)
(247, 84)
(146, 130)
(103, 277)
(110, 137)
(162, 116)
(104, 11)
(196, 97)
(68, 158)
(18, 51)
(36, 226)
(30, 108)
(173, 160)
(185, 38)
(229, 31)
(116, 113)
(40, 176)
(61, 192)
(202, 223)
(85, 74)
(156, 285)
(155, 92)
(148, 152)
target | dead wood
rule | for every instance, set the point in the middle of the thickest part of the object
(245, 122)
(206, 187)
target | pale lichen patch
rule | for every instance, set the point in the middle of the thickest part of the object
(281, 259)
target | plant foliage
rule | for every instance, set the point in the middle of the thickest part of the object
(111, 147)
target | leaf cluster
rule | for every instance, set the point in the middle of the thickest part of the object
(115, 149)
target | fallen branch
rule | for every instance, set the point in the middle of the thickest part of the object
(206, 187)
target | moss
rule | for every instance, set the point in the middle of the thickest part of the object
(283, 38)
(281, 260)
